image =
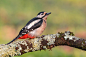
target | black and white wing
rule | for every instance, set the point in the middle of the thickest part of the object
(30, 26)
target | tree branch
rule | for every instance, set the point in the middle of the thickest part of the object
(20, 47)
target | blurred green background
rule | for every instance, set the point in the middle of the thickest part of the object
(67, 15)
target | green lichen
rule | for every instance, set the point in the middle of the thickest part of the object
(61, 34)
(71, 33)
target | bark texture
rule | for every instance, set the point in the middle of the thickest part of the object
(20, 47)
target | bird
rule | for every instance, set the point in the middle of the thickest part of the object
(34, 27)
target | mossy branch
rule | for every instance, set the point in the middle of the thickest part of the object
(44, 42)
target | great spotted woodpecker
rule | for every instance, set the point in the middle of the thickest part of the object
(34, 27)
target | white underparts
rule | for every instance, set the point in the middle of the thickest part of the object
(33, 33)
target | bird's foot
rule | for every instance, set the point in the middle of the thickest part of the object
(40, 36)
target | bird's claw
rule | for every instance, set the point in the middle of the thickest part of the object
(40, 36)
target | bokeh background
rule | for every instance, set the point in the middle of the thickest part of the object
(67, 15)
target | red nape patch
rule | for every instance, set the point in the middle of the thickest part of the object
(26, 36)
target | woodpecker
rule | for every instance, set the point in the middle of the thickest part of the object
(34, 27)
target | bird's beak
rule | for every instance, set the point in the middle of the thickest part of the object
(48, 13)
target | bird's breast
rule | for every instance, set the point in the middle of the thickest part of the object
(39, 30)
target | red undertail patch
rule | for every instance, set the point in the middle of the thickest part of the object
(26, 36)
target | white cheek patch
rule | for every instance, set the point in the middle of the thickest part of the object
(32, 23)
(40, 16)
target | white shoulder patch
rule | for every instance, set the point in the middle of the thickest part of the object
(32, 23)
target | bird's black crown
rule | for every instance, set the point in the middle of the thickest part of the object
(41, 13)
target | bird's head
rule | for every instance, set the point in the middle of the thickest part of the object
(43, 15)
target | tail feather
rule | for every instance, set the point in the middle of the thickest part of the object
(13, 40)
